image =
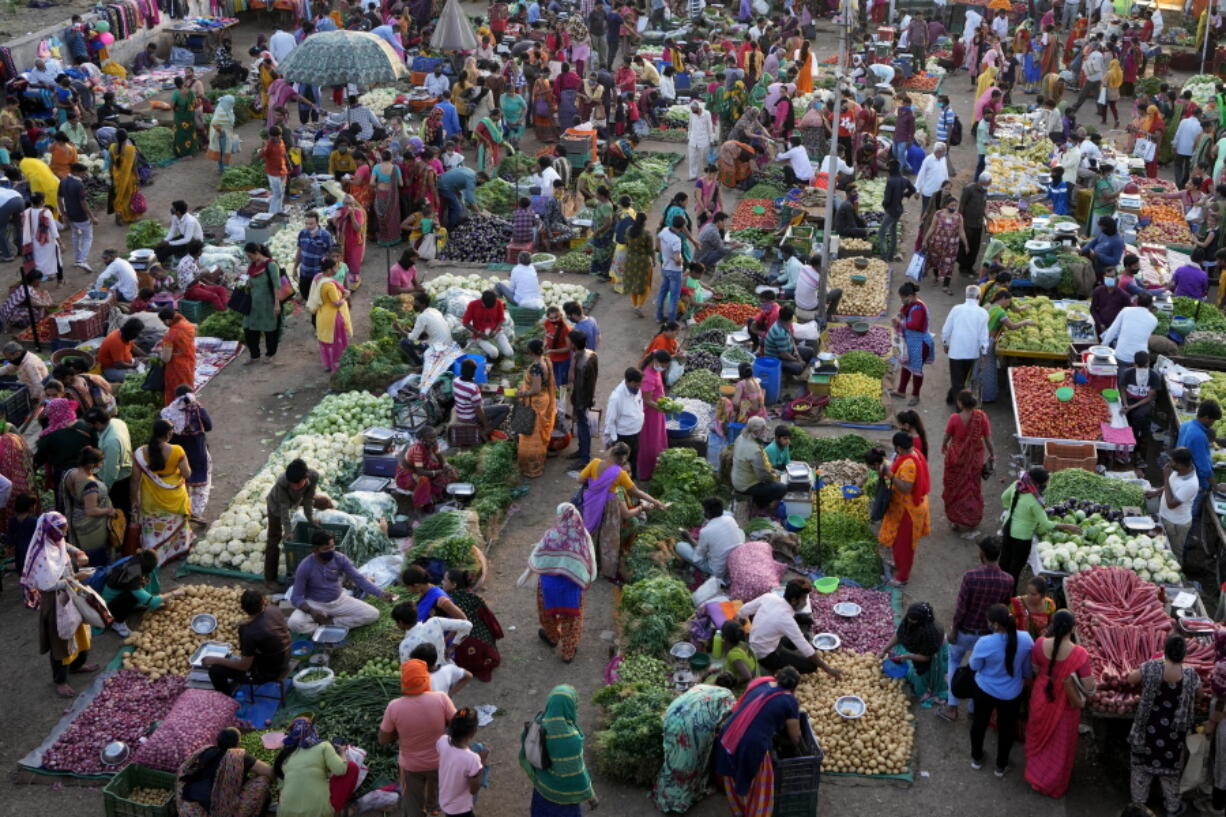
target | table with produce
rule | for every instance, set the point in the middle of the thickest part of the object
(1057, 324)
(1203, 328)
(1019, 157)
(1040, 416)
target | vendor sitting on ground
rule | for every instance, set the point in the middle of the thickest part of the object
(485, 319)
(125, 589)
(422, 472)
(776, 638)
(779, 453)
(263, 647)
(196, 283)
(719, 536)
(318, 596)
(116, 357)
(1106, 249)
(751, 471)
(469, 408)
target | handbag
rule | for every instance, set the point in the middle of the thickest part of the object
(67, 616)
(915, 267)
(523, 419)
(1144, 149)
(240, 301)
(1074, 692)
(138, 204)
(534, 743)
(962, 684)
(89, 604)
(155, 378)
(881, 501)
(1102, 95)
(427, 247)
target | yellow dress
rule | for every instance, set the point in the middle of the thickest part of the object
(900, 503)
(174, 500)
(42, 180)
(325, 317)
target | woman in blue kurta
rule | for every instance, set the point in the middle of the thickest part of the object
(742, 754)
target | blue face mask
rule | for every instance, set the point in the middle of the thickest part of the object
(632, 389)
(326, 555)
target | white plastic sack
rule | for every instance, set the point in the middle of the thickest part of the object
(377, 800)
(705, 592)
(383, 571)
(370, 504)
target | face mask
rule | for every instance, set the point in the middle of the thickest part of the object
(632, 389)
(326, 555)
(1109, 282)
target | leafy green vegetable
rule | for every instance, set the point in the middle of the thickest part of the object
(145, 234)
(717, 322)
(213, 216)
(681, 472)
(1212, 344)
(352, 710)
(653, 611)
(242, 177)
(1207, 317)
(637, 668)
(862, 362)
(226, 325)
(155, 144)
(497, 196)
(233, 200)
(574, 261)
(858, 561)
(516, 165)
(838, 531)
(631, 747)
(858, 409)
(698, 385)
(754, 236)
(811, 449)
(1076, 484)
(764, 191)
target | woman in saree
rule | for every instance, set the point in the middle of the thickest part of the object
(538, 391)
(351, 225)
(907, 519)
(707, 198)
(432, 132)
(121, 162)
(566, 87)
(183, 103)
(1051, 728)
(607, 491)
(785, 115)
(40, 231)
(223, 140)
(735, 99)
(514, 110)
(967, 447)
(987, 79)
(757, 94)
(267, 74)
(735, 163)
(191, 424)
(623, 220)
(544, 107)
(387, 183)
(222, 779)
(923, 650)
(1112, 81)
(1052, 86)
(477, 652)
(603, 226)
(640, 260)
(743, 762)
(16, 309)
(333, 327)
(653, 438)
(1033, 610)
(691, 724)
(423, 472)
(565, 562)
(1049, 55)
(17, 466)
(490, 139)
(560, 790)
(1152, 127)
(177, 351)
(804, 68)
(88, 507)
(160, 496)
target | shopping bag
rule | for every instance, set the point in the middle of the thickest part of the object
(1102, 95)
(89, 604)
(1144, 149)
(915, 267)
(427, 247)
(67, 617)
(240, 301)
(1198, 759)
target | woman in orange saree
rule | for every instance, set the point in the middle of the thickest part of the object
(1051, 729)
(178, 353)
(537, 390)
(968, 441)
(907, 519)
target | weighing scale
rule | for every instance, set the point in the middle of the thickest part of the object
(327, 638)
(198, 676)
(142, 260)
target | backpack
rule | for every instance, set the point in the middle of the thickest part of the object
(534, 744)
(955, 132)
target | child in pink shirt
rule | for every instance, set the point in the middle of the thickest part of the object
(459, 767)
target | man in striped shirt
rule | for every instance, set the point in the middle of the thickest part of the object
(469, 408)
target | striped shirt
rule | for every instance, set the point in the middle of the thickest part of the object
(779, 341)
(944, 123)
(467, 397)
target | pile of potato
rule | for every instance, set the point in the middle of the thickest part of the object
(878, 742)
(867, 299)
(165, 642)
(149, 796)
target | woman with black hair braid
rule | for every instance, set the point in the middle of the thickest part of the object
(1064, 679)
(1001, 661)
(1165, 715)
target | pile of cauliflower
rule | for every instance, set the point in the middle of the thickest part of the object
(554, 294)
(1148, 557)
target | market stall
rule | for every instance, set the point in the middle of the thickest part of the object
(1078, 414)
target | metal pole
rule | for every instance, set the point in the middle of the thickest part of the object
(833, 173)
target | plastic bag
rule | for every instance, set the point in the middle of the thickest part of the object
(67, 616)
(370, 504)
(705, 592)
(383, 571)
(1198, 760)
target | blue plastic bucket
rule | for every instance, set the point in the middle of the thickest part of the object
(769, 371)
(479, 378)
(734, 431)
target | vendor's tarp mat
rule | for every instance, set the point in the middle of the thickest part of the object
(34, 760)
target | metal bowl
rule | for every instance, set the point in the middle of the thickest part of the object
(204, 623)
(116, 753)
(462, 490)
(826, 641)
(850, 707)
(683, 650)
(846, 609)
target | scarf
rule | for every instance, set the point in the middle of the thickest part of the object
(433, 125)
(566, 549)
(919, 489)
(1153, 119)
(918, 632)
(42, 232)
(414, 677)
(223, 116)
(1027, 485)
(181, 413)
(300, 735)
(566, 781)
(61, 413)
(47, 559)
(1115, 75)
(596, 496)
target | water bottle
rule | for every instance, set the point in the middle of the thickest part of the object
(717, 645)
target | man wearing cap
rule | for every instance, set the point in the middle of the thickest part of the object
(29, 368)
(701, 136)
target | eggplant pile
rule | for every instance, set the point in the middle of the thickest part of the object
(1068, 506)
(483, 239)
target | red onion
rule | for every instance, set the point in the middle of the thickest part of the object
(125, 707)
(842, 339)
(868, 632)
(194, 721)
(752, 571)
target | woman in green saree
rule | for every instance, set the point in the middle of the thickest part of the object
(183, 102)
(757, 95)
(602, 234)
(560, 790)
(691, 724)
(514, 113)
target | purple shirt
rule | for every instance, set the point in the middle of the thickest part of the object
(1191, 281)
(904, 124)
(321, 581)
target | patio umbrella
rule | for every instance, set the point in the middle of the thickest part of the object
(340, 57)
(1003, 5)
(453, 32)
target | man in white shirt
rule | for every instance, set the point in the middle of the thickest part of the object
(933, 172)
(669, 243)
(545, 175)
(774, 623)
(799, 171)
(835, 164)
(623, 415)
(1091, 155)
(118, 275)
(965, 338)
(1070, 158)
(720, 535)
(1155, 17)
(451, 158)
(430, 323)
(757, 29)
(358, 117)
(524, 287)
(280, 44)
(1129, 332)
(433, 630)
(807, 284)
(1186, 134)
(1000, 25)
(1094, 67)
(184, 228)
(438, 83)
(702, 135)
(1179, 487)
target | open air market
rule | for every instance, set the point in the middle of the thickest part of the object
(442, 407)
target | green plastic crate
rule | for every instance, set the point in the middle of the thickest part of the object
(115, 793)
(524, 316)
(195, 311)
(298, 547)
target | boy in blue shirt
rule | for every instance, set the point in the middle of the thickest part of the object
(779, 452)
(1058, 193)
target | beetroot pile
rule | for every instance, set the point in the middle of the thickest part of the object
(868, 632)
(128, 703)
(193, 722)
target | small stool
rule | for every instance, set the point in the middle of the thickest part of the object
(513, 251)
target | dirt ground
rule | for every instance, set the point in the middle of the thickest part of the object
(252, 406)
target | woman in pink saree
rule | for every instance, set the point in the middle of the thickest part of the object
(1051, 731)
(968, 441)
(351, 224)
(654, 437)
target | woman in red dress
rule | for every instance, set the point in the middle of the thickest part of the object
(966, 447)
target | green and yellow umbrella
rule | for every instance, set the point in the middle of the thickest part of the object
(340, 57)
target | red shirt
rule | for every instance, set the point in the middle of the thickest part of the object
(274, 158)
(768, 315)
(484, 319)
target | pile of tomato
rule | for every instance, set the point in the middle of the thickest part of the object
(1042, 415)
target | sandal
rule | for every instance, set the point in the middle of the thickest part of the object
(541, 634)
(947, 713)
(914, 401)
(65, 691)
(84, 669)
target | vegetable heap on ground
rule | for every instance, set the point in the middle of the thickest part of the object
(1108, 543)
(865, 299)
(1077, 484)
(165, 641)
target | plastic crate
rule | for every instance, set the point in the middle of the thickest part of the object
(14, 401)
(526, 315)
(797, 778)
(299, 547)
(84, 329)
(195, 311)
(115, 793)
